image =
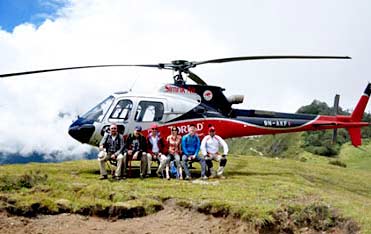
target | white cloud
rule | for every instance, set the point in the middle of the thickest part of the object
(88, 32)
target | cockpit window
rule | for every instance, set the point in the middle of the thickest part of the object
(149, 111)
(97, 113)
(122, 110)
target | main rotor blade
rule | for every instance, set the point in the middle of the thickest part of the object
(81, 67)
(234, 59)
(196, 78)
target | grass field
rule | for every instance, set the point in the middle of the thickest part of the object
(256, 189)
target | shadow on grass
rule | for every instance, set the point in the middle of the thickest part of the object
(195, 173)
(254, 173)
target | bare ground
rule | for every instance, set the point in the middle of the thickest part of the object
(171, 219)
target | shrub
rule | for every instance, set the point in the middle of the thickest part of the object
(27, 180)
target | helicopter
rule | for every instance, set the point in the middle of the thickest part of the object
(180, 104)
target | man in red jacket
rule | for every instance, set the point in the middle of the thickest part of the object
(155, 150)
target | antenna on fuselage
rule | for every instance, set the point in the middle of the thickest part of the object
(132, 86)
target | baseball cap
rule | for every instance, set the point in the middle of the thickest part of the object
(211, 129)
(154, 126)
(138, 128)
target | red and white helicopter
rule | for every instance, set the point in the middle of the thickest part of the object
(180, 104)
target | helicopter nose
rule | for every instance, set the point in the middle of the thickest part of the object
(82, 133)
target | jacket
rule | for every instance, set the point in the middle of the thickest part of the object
(160, 144)
(111, 145)
(211, 145)
(134, 143)
(190, 144)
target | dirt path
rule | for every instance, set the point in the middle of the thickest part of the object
(170, 220)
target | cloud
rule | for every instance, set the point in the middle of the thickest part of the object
(85, 33)
(88, 32)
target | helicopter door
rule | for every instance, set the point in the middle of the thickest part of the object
(149, 111)
(120, 115)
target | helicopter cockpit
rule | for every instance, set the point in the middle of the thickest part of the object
(97, 113)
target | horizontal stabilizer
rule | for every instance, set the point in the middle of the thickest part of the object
(325, 124)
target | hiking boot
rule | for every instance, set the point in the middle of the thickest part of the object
(103, 177)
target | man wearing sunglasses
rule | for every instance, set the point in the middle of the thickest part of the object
(155, 150)
(110, 148)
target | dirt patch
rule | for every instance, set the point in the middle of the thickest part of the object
(172, 219)
(177, 217)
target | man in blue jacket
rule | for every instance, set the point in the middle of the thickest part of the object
(191, 147)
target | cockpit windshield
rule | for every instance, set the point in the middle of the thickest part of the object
(98, 112)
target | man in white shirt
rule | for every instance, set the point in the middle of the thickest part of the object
(210, 150)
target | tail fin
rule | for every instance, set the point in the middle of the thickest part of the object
(355, 136)
(361, 106)
(355, 133)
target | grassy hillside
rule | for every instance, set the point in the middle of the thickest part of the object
(261, 190)
(282, 145)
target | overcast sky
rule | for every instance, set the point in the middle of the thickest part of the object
(59, 33)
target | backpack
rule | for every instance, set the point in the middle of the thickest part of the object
(173, 169)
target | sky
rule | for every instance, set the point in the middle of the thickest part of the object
(36, 110)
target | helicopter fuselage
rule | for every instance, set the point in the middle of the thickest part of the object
(182, 105)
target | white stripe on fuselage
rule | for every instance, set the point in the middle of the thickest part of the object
(240, 122)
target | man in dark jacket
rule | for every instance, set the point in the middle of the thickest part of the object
(111, 148)
(136, 147)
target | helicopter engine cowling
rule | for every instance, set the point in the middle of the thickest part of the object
(235, 99)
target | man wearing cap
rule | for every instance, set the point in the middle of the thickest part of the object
(190, 148)
(136, 147)
(110, 148)
(155, 150)
(210, 147)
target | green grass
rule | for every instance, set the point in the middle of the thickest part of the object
(255, 187)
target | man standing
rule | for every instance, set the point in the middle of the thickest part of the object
(136, 147)
(190, 148)
(210, 147)
(110, 148)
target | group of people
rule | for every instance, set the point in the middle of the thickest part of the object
(174, 152)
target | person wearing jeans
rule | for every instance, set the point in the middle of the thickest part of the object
(190, 148)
